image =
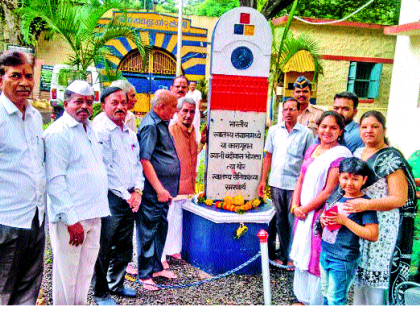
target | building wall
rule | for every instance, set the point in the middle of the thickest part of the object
(404, 112)
(338, 45)
(195, 51)
(208, 23)
(53, 52)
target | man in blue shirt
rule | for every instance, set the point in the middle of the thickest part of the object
(161, 169)
(285, 148)
(345, 103)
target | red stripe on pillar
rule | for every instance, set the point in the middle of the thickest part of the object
(230, 92)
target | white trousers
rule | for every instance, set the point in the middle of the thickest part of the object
(73, 266)
(368, 296)
(173, 243)
(307, 288)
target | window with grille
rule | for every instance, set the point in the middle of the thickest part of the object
(364, 79)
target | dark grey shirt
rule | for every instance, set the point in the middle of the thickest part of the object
(157, 146)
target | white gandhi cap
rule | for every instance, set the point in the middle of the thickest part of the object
(80, 87)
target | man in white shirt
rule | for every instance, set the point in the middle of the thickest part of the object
(285, 149)
(22, 183)
(196, 95)
(120, 150)
(128, 88)
(77, 187)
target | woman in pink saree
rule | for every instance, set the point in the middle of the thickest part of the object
(318, 178)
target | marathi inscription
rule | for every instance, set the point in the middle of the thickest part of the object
(235, 153)
(232, 155)
(240, 123)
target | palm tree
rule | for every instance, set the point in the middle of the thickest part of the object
(291, 47)
(78, 23)
(284, 49)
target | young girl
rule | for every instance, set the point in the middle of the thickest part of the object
(340, 236)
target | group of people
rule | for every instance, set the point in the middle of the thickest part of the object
(345, 202)
(96, 178)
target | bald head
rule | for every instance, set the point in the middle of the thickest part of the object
(164, 103)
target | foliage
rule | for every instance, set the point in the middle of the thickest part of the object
(279, 57)
(293, 45)
(189, 7)
(166, 6)
(216, 7)
(96, 109)
(134, 4)
(415, 258)
(45, 126)
(379, 12)
(79, 26)
(203, 88)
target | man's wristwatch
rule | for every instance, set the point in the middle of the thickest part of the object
(138, 191)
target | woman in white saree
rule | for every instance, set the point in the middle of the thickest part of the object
(318, 178)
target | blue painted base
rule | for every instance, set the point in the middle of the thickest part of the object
(212, 248)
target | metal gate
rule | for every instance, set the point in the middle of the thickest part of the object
(158, 73)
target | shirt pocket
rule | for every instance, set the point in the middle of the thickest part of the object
(295, 149)
(133, 154)
(37, 145)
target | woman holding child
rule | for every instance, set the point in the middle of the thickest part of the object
(318, 178)
(391, 189)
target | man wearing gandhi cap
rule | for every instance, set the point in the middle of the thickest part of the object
(77, 190)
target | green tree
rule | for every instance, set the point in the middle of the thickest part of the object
(189, 7)
(379, 12)
(166, 6)
(77, 22)
(269, 8)
(216, 7)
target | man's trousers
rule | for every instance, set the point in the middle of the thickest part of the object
(116, 248)
(73, 265)
(282, 224)
(152, 228)
(21, 263)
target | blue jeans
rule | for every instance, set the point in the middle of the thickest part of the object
(336, 277)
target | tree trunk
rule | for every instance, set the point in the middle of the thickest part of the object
(12, 22)
(248, 3)
(272, 8)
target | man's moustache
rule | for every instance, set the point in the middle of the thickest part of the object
(83, 110)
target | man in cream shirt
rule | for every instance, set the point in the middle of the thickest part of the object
(22, 183)
(125, 180)
(77, 188)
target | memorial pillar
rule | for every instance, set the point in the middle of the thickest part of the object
(240, 65)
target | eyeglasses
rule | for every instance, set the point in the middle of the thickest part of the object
(289, 109)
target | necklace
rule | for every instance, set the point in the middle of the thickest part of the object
(318, 151)
(368, 152)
